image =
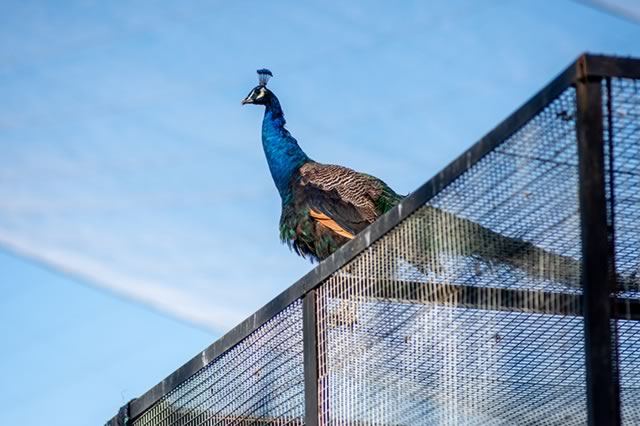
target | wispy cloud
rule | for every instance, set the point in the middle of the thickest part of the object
(626, 9)
(181, 251)
(179, 302)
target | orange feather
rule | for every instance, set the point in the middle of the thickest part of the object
(326, 221)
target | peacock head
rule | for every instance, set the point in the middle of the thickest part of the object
(260, 95)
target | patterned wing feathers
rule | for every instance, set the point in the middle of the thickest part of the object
(339, 187)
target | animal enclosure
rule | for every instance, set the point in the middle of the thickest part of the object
(504, 291)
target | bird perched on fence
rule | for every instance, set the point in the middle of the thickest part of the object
(323, 206)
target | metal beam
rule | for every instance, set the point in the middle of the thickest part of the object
(487, 298)
(609, 66)
(310, 339)
(602, 385)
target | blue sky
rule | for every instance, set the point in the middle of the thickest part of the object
(138, 221)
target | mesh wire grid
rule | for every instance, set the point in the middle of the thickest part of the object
(260, 381)
(621, 99)
(402, 343)
(466, 313)
(622, 155)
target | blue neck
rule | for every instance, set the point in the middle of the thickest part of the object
(284, 156)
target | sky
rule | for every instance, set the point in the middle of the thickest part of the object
(138, 219)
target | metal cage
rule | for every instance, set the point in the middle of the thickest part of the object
(503, 291)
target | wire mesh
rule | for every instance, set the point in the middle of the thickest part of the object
(403, 340)
(623, 178)
(622, 156)
(468, 312)
(260, 381)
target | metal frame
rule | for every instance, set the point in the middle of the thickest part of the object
(602, 398)
(310, 339)
(585, 73)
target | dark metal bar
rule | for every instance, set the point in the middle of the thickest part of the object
(310, 333)
(602, 396)
(489, 298)
(610, 66)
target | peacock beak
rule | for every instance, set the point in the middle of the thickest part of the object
(250, 99)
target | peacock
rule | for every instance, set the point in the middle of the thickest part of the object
(324, 206)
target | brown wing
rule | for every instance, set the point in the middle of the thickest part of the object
(344, 196)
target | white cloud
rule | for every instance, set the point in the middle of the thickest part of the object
(629, 9)
(179, 302)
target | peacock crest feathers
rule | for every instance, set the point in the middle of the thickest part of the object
(263, 76)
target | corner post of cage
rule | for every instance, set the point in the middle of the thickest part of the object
(310, 349)
(603, 402)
